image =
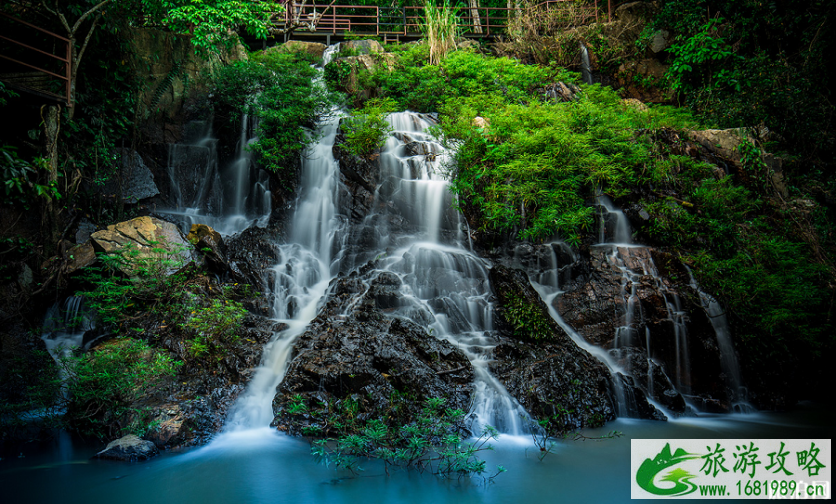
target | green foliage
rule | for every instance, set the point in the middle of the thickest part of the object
(752, 256)
(367, 129)
(527, 319)
(210, 22)
(417, 85)
(21, 179)
(134, 284)
(752, 62)
(276, 88)
(530, 170)
(106, 385)
(433, 441)
(699, 60)
(216, 326)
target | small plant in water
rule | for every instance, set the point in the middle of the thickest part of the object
(432, 442)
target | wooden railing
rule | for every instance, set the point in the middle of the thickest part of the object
(38, 79)
(334, 19)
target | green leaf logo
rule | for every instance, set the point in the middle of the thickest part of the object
(681, 479)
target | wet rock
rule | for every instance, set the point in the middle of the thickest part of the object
(360, 176)
(639, 303)
(133, 181)
(85, 229)
(552, 377)
(209, 242)
(370, 357)
(129, 449)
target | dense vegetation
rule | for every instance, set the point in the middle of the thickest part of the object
(529, 168)
(526, 168)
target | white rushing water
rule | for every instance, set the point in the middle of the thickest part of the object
(445, 286)
(228, 198)
(302, 275)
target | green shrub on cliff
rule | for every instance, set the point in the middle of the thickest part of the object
(278, 89)
(366, 130)
(532, 169)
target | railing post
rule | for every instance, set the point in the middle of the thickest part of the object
(377, 21)
(488, 20)
(609, 11)
(403, 10)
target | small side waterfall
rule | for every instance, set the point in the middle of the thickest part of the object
(64, 329)
(547, 285)
(728, 358)
(229, 198)
(586, 65)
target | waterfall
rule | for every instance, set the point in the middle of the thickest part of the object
(302, 275)
(229, 199)
(65, 326)
(586, 65)
(445, 285)
(728, 358)
(415, 233)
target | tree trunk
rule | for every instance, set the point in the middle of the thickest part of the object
(52, 127)
(474, 13)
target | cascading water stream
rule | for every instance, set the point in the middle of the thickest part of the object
(728, 359)
(302, 275)
(229, 200)
(444, 285)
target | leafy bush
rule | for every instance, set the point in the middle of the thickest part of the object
(432, 442)
(277, 88)
(367, 129)
(533, 167)
(106, 385)
(215, 327)
(156, 285)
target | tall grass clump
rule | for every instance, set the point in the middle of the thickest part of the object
(440, 28)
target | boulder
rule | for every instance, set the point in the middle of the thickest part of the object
(129, 449)
(133, 180)
(144, 238)
(79, 257)
(358, 47)
(315, 49)
(722, 143)
(660, 41)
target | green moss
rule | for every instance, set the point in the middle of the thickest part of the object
(527, 319)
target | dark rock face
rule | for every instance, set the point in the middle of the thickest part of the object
(369, 357)
(553, 378)
(360, 177)
(199, 398)
(638, 303)
(128, 449)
